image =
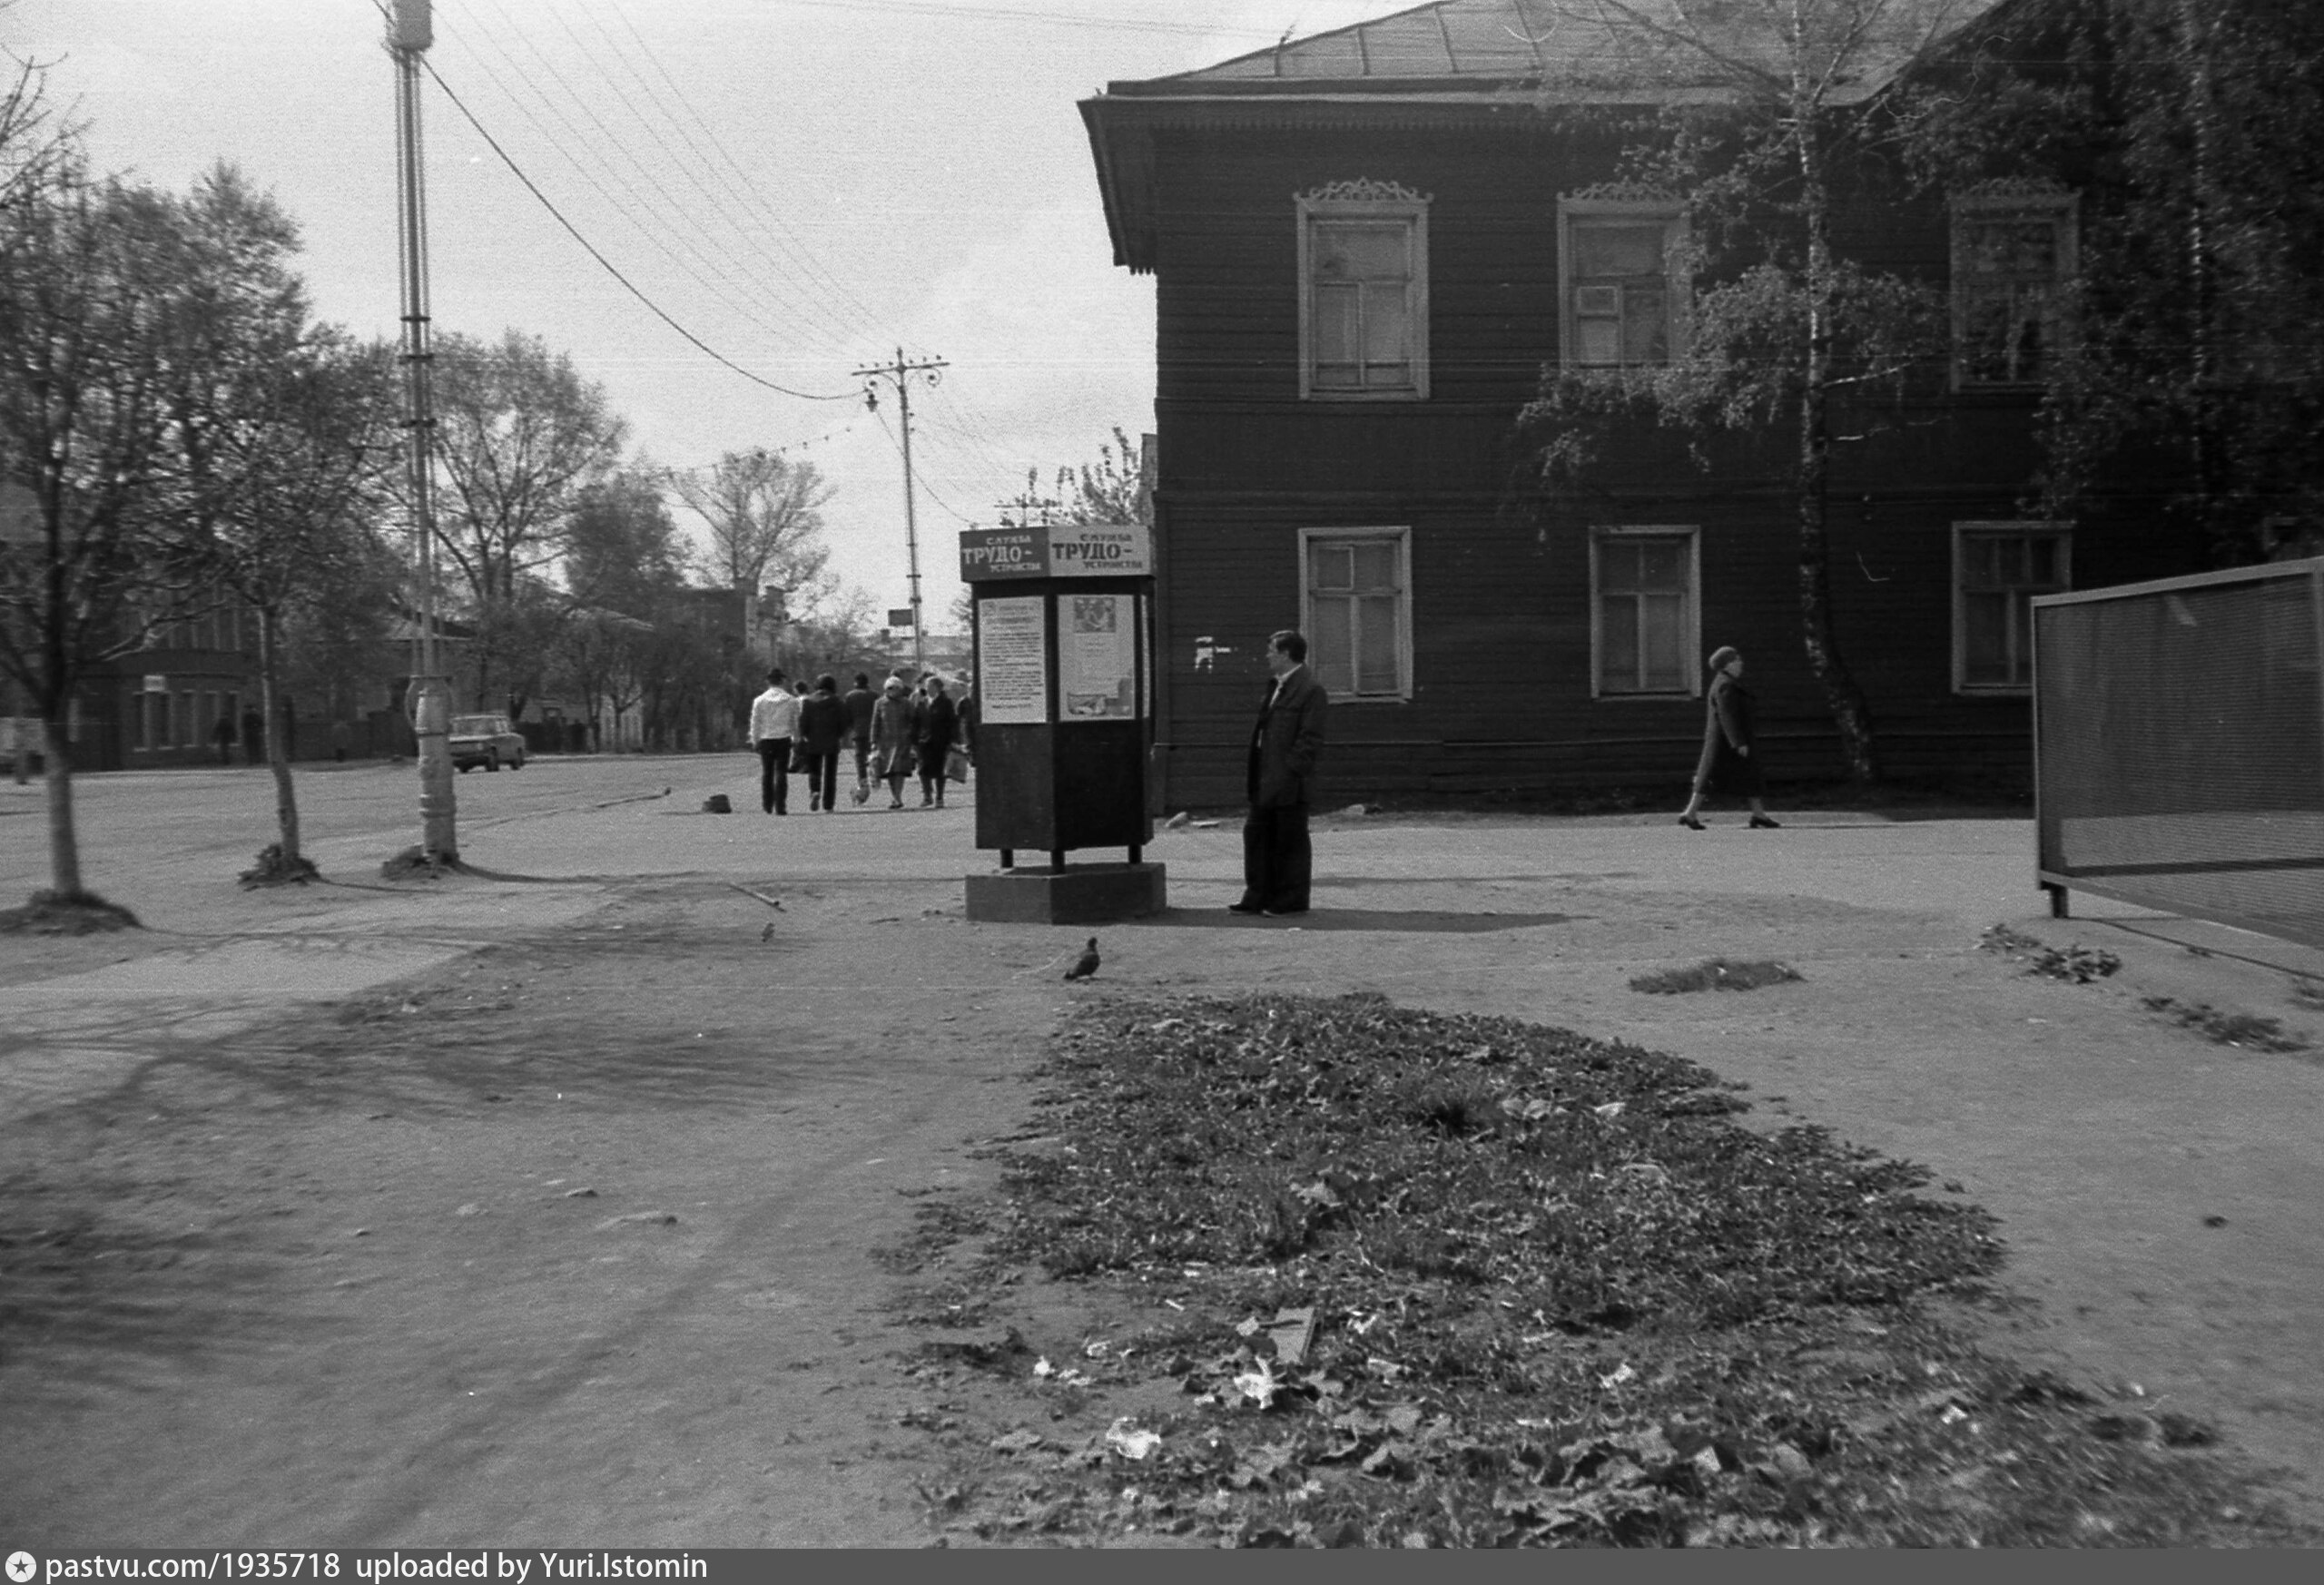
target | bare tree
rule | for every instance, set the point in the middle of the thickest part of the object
(520, 435)
(90, 300)
(33, 142)
(766, 523)
(286, 434)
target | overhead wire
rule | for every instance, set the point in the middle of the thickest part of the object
(606, 264)
(670, 225)
(863, 313)
(714, 193)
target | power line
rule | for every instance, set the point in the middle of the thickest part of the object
(671, 223)
(606, 264)
(846, 299)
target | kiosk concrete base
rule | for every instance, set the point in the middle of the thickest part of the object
(1077, 894)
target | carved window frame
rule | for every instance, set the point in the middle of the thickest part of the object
(1633, 201)
(2025, 200)
(1366, 199)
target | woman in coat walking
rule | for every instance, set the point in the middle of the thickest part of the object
(891, 724)
(822, 725)
(1729, 765)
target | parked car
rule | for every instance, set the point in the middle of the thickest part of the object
(487, 741)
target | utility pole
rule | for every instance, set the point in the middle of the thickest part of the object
(1025, 505)
(410, 31)
(898, 374)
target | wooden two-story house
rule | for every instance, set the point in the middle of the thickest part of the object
(1367, 248)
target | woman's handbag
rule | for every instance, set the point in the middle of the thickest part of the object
(955, 763)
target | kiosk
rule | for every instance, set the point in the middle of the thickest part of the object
(1065, 719)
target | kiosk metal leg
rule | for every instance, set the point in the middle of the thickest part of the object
(1133, 851)
(1008, 858)
(1057, 860)
(2057, 899)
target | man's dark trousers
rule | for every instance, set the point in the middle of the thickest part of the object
(1279, 860)
(774, 774)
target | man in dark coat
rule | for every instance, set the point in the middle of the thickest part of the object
(1278, 861)
(861, 701)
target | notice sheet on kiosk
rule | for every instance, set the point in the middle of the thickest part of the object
(1012, 662)
(1096, 657)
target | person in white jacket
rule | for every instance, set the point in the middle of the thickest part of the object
(775, 721)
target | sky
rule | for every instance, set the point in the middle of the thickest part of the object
(806, 186)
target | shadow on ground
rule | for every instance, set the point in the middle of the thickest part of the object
(1436, 922)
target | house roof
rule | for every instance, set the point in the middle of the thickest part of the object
(1458, 61)
(1623, 46)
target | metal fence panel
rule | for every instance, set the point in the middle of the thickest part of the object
(2179, 745)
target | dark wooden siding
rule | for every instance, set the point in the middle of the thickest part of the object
(1501, 600)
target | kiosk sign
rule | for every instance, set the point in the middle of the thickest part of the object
(1100, 550)
(1058, 550)
(1004, 553)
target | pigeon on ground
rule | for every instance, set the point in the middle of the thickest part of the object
(1087, 964)
(767, 934)
(1179, 822)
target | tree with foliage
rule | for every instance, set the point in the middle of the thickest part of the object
(92, 312)
(1113, 489)
(1783, 332)
(2194, 136)
(624, 562)
(521, 436)
(764, 513)
(286, 435)
(621, 548)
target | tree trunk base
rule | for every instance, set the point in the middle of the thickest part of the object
(412, 864)
(275, 869)
(80, 914)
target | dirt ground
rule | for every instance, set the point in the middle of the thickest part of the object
(563, 1223)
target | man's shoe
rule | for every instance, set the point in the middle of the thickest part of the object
(1690, 822)
(1245, 908)
(1280, 913)
(1761, 822)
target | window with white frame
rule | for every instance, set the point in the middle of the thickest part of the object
(1357, 592)
(2013, 255)
(1363, 292)
(1621, 277)
(1645, 626)
(1997, 569)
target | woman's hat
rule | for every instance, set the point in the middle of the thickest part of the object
(1720, 656)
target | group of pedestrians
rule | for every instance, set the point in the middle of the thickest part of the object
(895, 733)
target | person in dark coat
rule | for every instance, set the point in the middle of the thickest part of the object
(1278, 860)
(1728, 763)
(823, 727)
(222, 734)
(933, 730)
(860, 702)
(253, 735)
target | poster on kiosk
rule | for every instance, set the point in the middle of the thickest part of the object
(1063, 615)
